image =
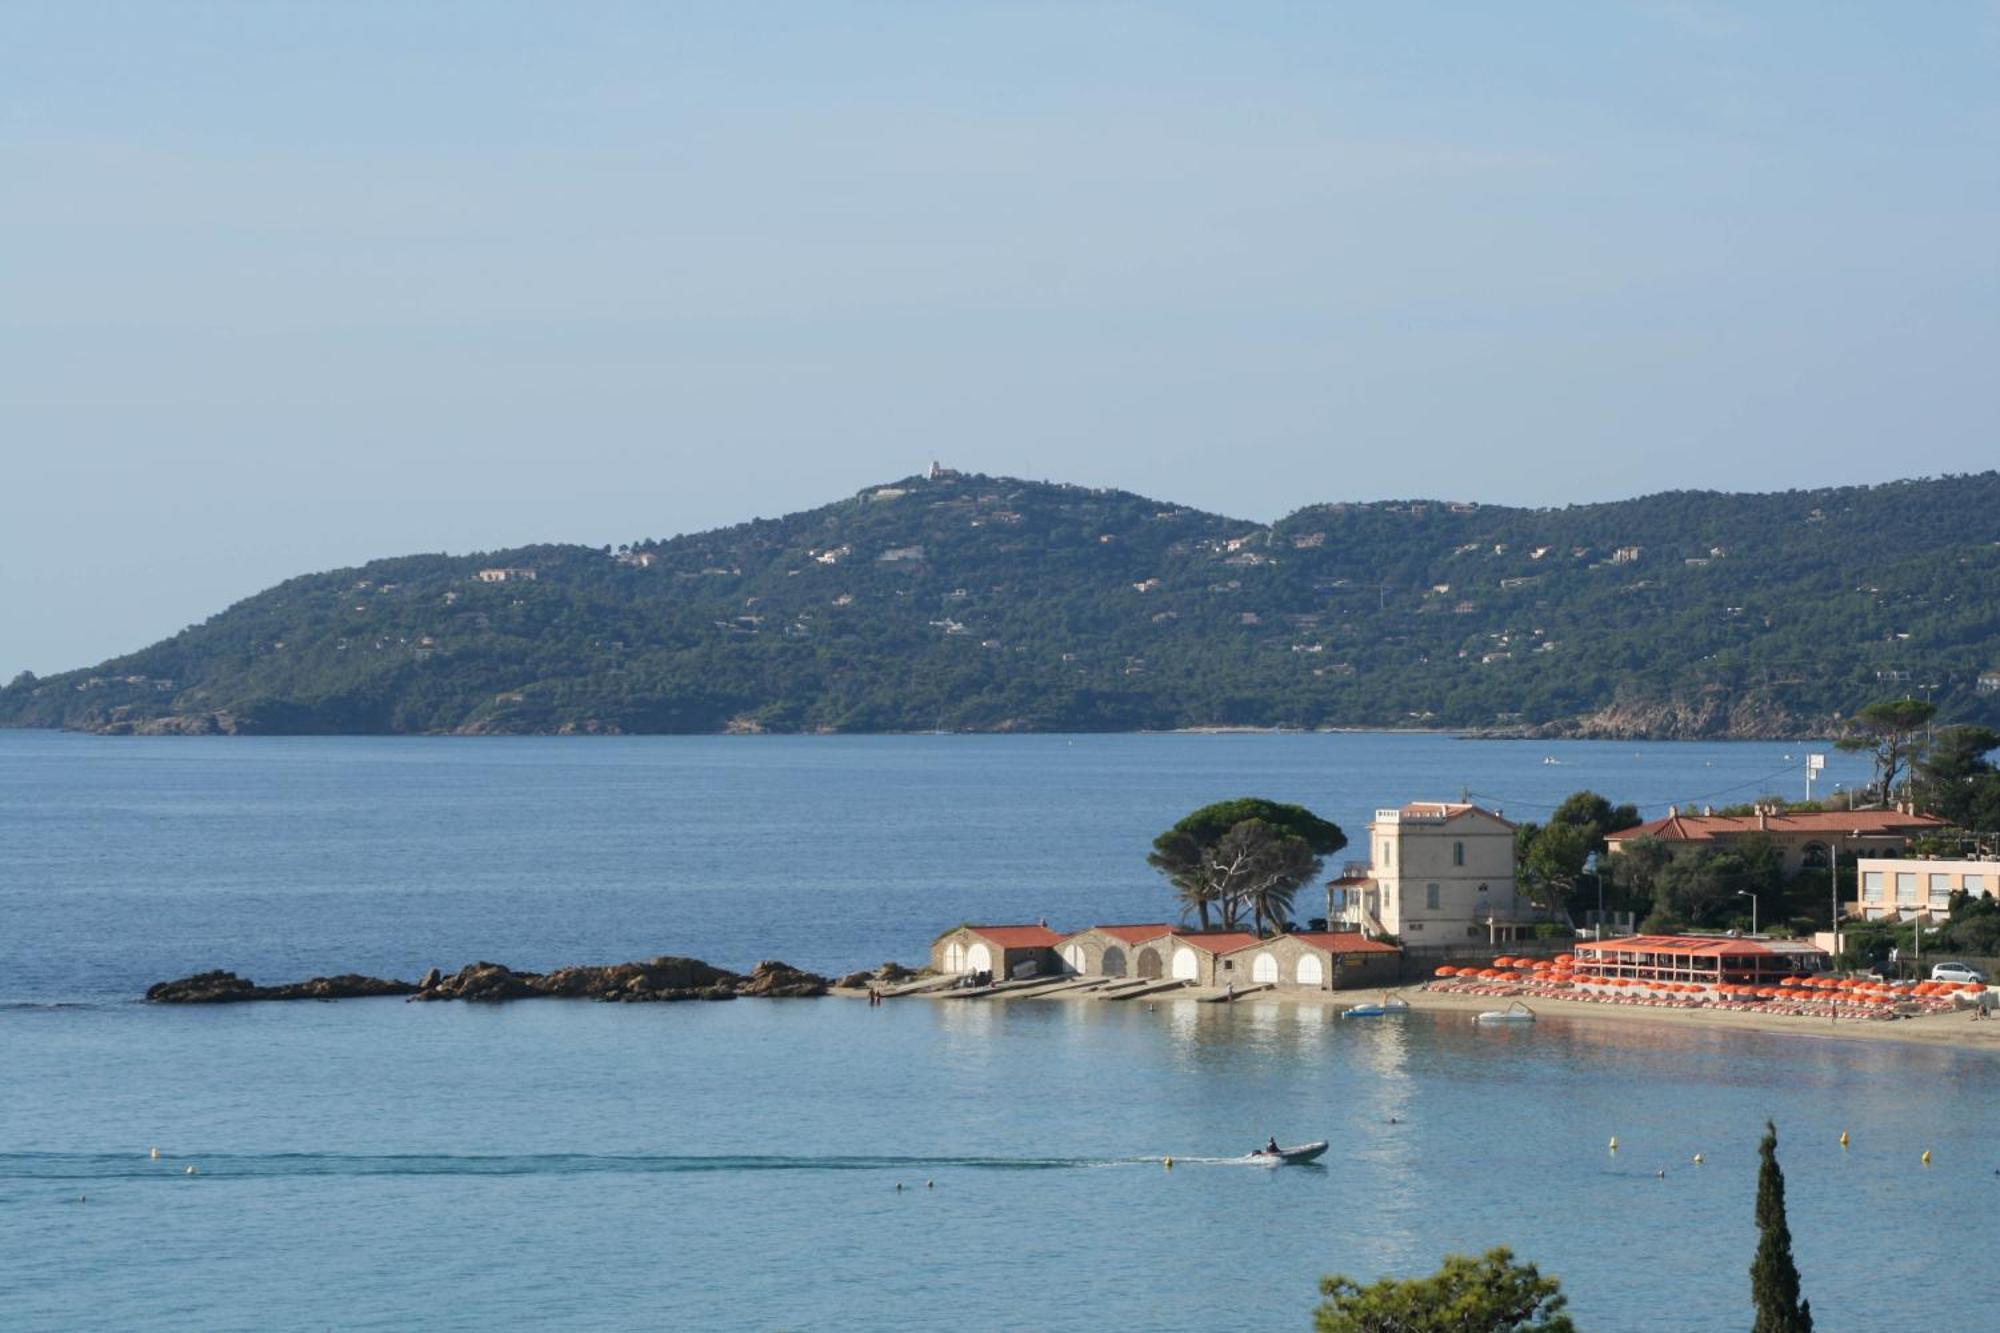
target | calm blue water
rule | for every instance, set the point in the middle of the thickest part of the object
(375, 1164)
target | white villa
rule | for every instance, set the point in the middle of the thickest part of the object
(1442, 873)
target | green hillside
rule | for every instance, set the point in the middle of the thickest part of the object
(993, 604)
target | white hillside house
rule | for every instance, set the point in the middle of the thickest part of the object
(1443, 873)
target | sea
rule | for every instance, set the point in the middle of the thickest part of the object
(813, 1164)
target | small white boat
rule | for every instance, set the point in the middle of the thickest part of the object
(1383, 1008)
(1516, 1012)
(1304, 1152)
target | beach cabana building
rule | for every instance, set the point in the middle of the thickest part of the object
(1703, 959)
(1005, 951)
(1318, 960)
(1117, 951)
(1206, 958)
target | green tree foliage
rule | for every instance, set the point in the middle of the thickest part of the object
(1490, 1294)
(984, 603)
(1635, 874)
(1245, 856)
(1774, 1278)
(1556, 858)
(1701, 888)
(1891, 732)
(1956, 778)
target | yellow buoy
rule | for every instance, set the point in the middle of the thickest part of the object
(1614, 1143)
(1170, 1164)
(1697, 1159)
(1927, 1157)
(1843, 1138)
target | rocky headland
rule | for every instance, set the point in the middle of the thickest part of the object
(654, 980)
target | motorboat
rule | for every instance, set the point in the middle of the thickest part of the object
(1304, 1152)
(1516, 1012)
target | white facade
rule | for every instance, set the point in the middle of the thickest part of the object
(1443, 873)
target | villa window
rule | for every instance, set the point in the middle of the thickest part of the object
(1871, 887)
(1431, 897)
(1457, 855)
(1388, 853)
(1974, 885)
(1940, 891)
(1906, 888)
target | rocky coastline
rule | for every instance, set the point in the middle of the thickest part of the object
(652, 981)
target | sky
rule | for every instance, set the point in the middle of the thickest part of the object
(287, 287)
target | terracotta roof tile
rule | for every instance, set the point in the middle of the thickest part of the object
(1217, 941)
(1018, 937)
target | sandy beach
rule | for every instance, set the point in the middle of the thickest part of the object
(1956, 1028)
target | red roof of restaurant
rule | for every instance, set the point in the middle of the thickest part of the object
(1707, 946)
(1018, 937)
(1343, 941)
(1218, 941)
(1134, 934)
(1705, 828)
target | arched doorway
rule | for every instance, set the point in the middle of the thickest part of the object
(954, 956)
(1264, 970)
(979, 958)
(1186, 966)
(1073, 956)
(1311, 973)
(1114, 961)
(1150, 966)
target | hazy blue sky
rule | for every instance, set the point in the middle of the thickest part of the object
(289, 286)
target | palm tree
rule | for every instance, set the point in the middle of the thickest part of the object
(1183, 861)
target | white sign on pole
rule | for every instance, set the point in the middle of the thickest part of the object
(1815, 762)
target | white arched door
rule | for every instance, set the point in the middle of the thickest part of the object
(954, 956)
(1311, 973)
(1186, 968)
(1073, 955)
(979, 958)
(1264, 970)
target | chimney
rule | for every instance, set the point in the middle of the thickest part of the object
(1763, 820)
(1708, 810)
(1673, 812)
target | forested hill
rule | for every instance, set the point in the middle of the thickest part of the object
(982, 603)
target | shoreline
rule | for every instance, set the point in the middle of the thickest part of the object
(1955, 1029)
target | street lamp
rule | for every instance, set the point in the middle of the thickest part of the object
(1745, 893)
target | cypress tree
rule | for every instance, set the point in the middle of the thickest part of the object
(1774, 1278)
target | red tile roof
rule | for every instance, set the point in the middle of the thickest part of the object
(1132, 934)
(1445, 811)
(1217, 941)
(1832, 823)
(1706, 946)
(1018, 937)
(1343, 941)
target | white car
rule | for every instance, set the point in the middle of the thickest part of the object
(1957, 972)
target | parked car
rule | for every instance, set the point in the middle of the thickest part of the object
(1957, 972)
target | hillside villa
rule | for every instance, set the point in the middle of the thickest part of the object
(1804, 839)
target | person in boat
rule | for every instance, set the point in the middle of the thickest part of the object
(1271, 1146)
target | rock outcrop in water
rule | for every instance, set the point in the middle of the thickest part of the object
(220, 987)
(889, 974)
(656, 979)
